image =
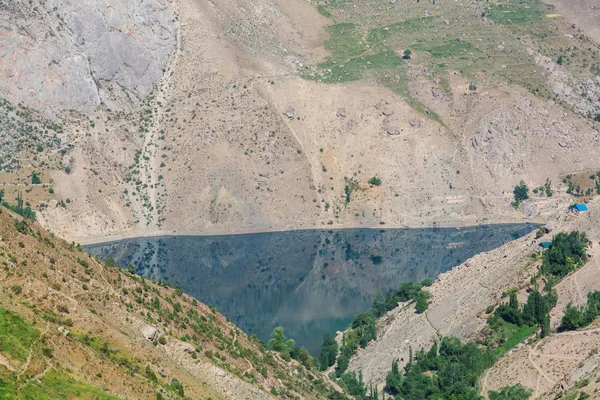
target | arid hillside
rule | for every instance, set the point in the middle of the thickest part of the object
(73, 327)
(193, 116)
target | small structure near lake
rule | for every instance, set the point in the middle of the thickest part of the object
(577, 208)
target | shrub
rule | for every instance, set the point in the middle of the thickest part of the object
(375, 181)
(520, 192)
(162, 340)
(46, 351)
(22, 227)
(177, 387)
(150, 374)
(16, 289)
(35, 178)
(422, 301)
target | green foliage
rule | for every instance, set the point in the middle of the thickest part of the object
(566, 254)
(513, 12)
(535, 313)
(280, 344)
(288, 349)
(375, 181)
(422, 302)
(540, 232)
(355, 386)
(363, 329)
(351, 186)
(104, 349)
(446, 48)
(150, 374)
(452, 372)
(511, 335)
(177, 387)
(515, 392)
(53, 385)
(579, 317)
(35, 178)
(548, 187)
(520, 192)
(329, 352)
(407, 291)
(559, 61)
(22, 227)
(16, 335)
(25, 212)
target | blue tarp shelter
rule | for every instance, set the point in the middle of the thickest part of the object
(581, 207)
(545, 245)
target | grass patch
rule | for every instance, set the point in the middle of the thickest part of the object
(16, 335)
(447, 48)
(409, 26)
(513, 12)
(511, 335)
(343, 42)
(103, 348)
(53, 385)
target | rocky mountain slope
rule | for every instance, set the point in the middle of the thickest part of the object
(79, 328)
(79, 55)
(189, 116)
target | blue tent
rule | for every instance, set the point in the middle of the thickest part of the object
(546, 245)
(581, 207)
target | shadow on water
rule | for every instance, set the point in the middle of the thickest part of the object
(310, 282)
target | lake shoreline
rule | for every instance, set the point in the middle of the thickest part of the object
(143, 234)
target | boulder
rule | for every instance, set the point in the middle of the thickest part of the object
(290, 112)
(65, 332)
(150, 332)
(188, 348)
(390, 130)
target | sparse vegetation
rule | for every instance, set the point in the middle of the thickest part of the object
(351, 186)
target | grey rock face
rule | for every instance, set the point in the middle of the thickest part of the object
(68, 54)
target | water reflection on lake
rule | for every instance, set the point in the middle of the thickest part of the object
(310, 281)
